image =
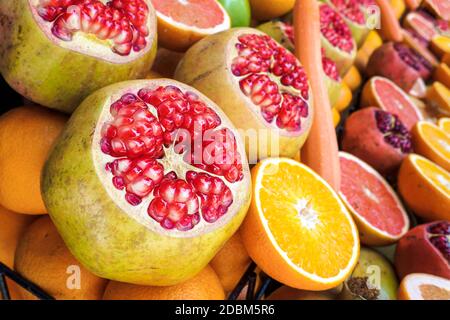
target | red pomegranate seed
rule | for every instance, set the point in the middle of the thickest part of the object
(124, 22)
(334, 29)
(259, 56)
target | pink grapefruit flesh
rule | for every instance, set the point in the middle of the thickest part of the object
(394, 100)
(372, 200)
(202, 14)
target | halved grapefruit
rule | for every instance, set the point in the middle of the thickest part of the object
(383, 93)
(423, 26)
(297, 230)
(422, 286)
(441, 8)
(181, 23)
(376, 209)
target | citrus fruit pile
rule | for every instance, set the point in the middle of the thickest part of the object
(161, 149)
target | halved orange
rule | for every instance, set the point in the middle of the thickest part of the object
(432, 142)
(444, 124)
(297, 230)
(442, 74)
(425, 187)
(422, 286)
(181, 23)
(378, 212)
(438, 97)
(440, 45)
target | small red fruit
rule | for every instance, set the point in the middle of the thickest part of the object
(425, 249)
(378, 138)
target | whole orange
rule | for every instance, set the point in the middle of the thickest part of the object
(43, 258)
(26, 135)
(204, 286)
(269, 9)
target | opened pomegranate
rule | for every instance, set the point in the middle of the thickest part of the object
(425, 249)
(355, 13)
(401, 64)
(147, 182)
(56, 52)
(377, 137)
(337, 39)
(259, 84)
(283, 33)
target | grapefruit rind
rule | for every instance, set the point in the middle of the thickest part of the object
(424, 145)
(369, 234)
(409, 287)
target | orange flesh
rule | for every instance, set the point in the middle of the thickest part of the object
(438, 176)
(395, 102)
(195, 13)
(303, 217)
(370, 198)
(437, 139)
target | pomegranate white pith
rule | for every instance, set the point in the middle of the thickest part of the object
(274, 81)
(118, 31)
(160, 186)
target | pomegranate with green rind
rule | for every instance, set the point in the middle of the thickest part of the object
(401, 64)
(337, 39)
(259, 84)
(385, 94)
(425, 249)
(378, 138)
(355, 14)
(57, 52)
(283, 33)
(147, 182)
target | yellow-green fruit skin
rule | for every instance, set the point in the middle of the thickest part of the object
(50, 75)
(105, 239)
(205, 67)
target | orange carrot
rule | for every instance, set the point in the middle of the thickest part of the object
(412, 4)
(390, 26)
(320, 151)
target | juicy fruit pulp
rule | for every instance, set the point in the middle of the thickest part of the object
(260, 57)
(335, 30)
(121, 22)
(380, 216)
(294, 213)
(395, 133)
(57, 52)
(138, 138)
(422, 286)
(260, 85)
(440, 238)
(163, 170)
(383, 93)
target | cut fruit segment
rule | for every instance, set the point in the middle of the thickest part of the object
(438, 97)
(424, 27)
(385, 94)
(355, 14)
(422, 286)
(444, 124)
(372, 42)
(337, 39)
(432, 142)
(442, 74)
(306, 237)
(425, 187)
(441, 8)
(440, 45)
(353, 78)
(378, 212)
(182, 23)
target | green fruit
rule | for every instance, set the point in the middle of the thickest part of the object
(283, 34)
(58, 73)
(239, 12)
(108, 234)
(373, 278)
